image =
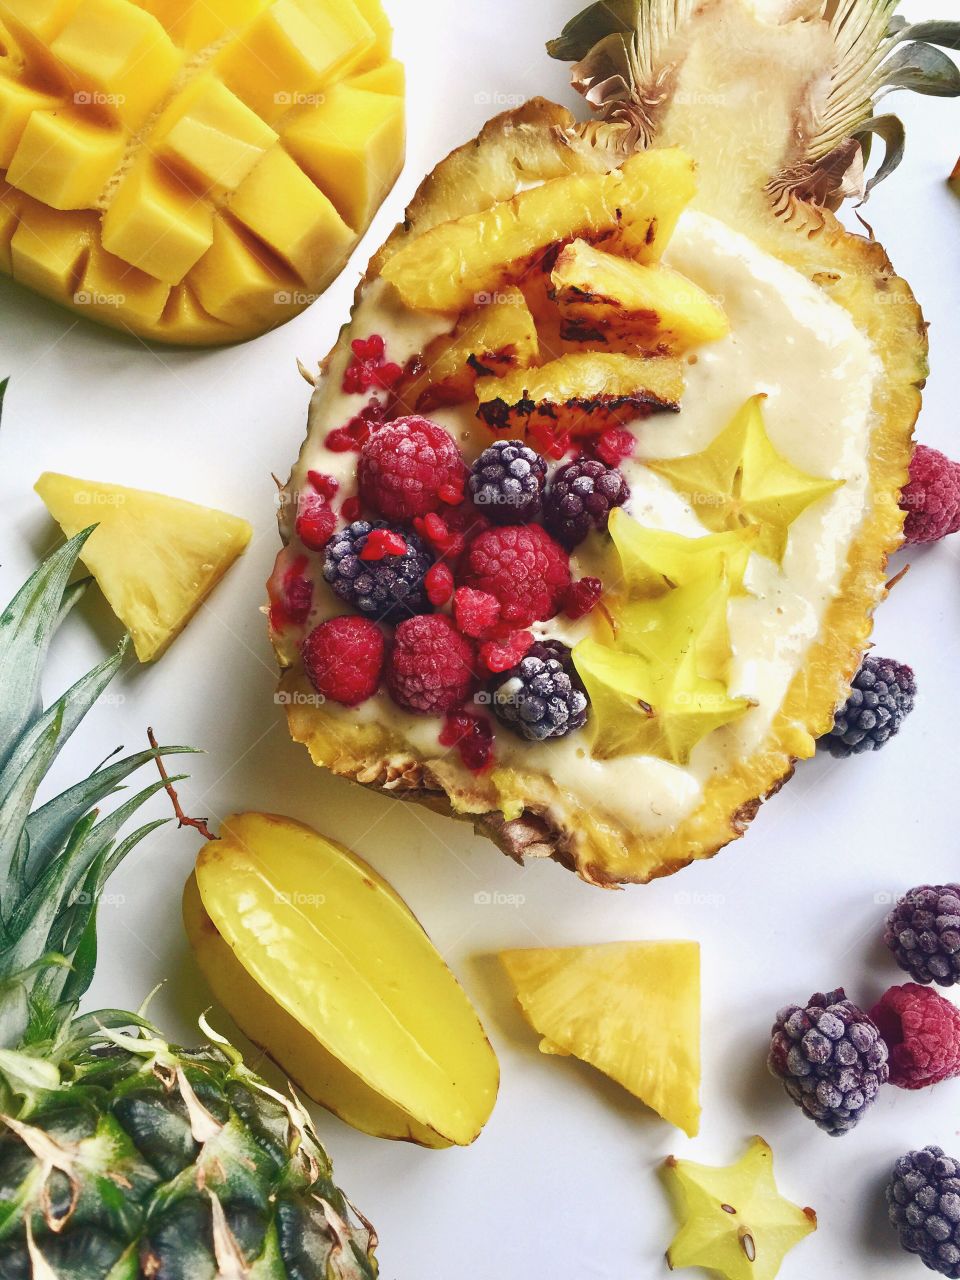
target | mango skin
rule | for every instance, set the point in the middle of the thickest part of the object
(157, 178)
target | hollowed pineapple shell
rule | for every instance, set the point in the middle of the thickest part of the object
(723, 55)
(194, 172)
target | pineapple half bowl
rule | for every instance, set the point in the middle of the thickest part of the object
(786, 381)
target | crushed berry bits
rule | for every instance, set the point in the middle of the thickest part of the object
(316, 521)
(291, 604)
(404, 466)
(383, 542)
(523, 567)
(473, 738)
(582, 597)
(368, 369)
(430, 668)
(357, 431)
(343, 659)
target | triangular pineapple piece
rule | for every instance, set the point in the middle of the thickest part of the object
(156, 559)
(630, 1009)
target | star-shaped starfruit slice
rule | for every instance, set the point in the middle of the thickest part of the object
(693, 616)
(740, 479)
(646, 709)
(735, 1221)
(655, 559)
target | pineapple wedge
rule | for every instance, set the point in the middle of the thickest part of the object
(635, 207)
(580, 394)
(156, 559)
(321, 963)
(630, 1009)
(490, 341)
(603, 296)
(194, 172)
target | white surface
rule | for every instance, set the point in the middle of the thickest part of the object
(562, 1183)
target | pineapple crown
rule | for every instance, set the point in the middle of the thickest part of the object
(627, 52)
(54, 861)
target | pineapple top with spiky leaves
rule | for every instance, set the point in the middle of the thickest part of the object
(121, 1155)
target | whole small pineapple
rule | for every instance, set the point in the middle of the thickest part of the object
(123, 1156)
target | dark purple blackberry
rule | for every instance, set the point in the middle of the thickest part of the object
(507, 482)
(923, 1200)
(881, 697)
(580, 498)
(542, 696)
(830, 1058)
(388, 590)
(923, 932)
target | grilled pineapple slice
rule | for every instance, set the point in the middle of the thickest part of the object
(194, 172)
(470, 228)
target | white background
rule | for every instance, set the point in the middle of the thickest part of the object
(563, 1181)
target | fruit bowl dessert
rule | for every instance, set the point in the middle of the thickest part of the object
(602, 476)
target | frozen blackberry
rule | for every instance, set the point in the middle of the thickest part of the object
(507, 482)
(923, 1200)
(389, 588)
(542, 696)
(881, 697)
(580, 498)
(830, 1058)
(923, 932)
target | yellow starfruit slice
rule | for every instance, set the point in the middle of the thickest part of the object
(347, 993)
(630, 1009)
(653, 560)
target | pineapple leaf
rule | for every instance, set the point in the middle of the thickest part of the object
(26, 626)
(581, 33)
(922, 69)
(890, 130)
(73, 593)
(14, 808)
(944, 34)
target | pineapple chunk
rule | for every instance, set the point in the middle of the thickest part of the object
(156, 559)
(580, 394)
(630, 1009)
(634, 208)
(488, 342)
(332, 973)
(600, 295)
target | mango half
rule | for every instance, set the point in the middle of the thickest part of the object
(195, 171)
(322, 964)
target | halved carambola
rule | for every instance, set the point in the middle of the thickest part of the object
(233, 151)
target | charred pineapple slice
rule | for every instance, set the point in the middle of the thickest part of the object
(635, 208)
(488, 342)
(196, 171)
(602, 296)
(580, 394)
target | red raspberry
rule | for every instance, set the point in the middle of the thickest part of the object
(325, 485)
(316, 521)
(582, 597)
(344, 659)
(475, 611)
(439, 584)
(472, 736)
(523, 567)
(502, 654)
(430, 670)
(614, 444)
(405, 464)
(922, 1032)
(932, 498)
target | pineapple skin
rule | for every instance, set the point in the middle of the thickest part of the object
(525, 813)
(160, 1157)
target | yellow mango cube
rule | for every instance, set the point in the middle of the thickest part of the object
(290, 51)
(119, 293)
(194, 24)
(47, 247)
(352, 147)
(18, 102)
(65, 161)
(236, 281)
(41, 18)
(11, 202)
(373, 14)
(185, 320)
(213, 136)
(157, 226)
(280, 204)
(120, 56)
(389, 78)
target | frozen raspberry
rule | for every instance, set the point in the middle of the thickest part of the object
(932, 497)
(582, 597)
(922, 1032)
(316, 521)
(405, 464)
(923, 932)
(580, 498)
(475, 611)
(507, 482)
(430, 669)
(389, 588)
(439, 584)
(523, 567)
(502, 653)
(472, 736)
(344, 659)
